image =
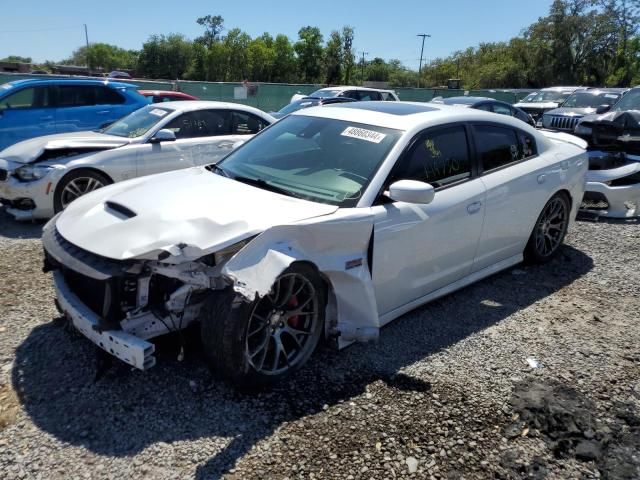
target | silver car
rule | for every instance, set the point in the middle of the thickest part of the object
(41, 176)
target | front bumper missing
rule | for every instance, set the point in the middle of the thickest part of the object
(618, 201)
(130, 349)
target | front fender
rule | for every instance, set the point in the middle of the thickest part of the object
(337, 246)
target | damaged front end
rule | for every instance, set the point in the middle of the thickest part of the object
(120, 305)
(613, 179)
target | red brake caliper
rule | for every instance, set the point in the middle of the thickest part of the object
(295, 320)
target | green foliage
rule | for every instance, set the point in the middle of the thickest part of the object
(165, 56)
(16, 59)
(310, 52)
(103, 55)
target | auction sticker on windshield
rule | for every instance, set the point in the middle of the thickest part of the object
(158, 112)
(363, 134)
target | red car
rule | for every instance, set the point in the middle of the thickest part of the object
(159, 96)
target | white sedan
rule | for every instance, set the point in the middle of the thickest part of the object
(41, 176)
(329, 224)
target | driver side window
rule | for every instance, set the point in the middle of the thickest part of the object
(204, 123)
(439, 157)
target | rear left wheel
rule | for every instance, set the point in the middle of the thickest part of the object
(259, 343)
(549, 231)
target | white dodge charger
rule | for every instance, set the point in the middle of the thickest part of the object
(41, 176)
(327, 225)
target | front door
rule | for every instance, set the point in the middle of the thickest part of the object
(421, 248)
(25, 114)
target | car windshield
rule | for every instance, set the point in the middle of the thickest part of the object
(137, 123)
(298, 105)
(590, 100)
(325, 93)
(529, 98)
(319, 159)
(548, 96)
(630, 101)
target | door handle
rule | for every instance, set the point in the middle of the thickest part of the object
(103, 112)
(542, 178)
(225, 145)
(474, 207)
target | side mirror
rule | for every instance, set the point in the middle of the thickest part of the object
(163, 135)
(603, 109)
(411, 191)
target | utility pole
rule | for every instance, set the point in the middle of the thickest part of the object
(86, 38)
(363, 54)
(423, 35)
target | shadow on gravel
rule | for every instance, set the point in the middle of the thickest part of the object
(11, 228)
(127, 411)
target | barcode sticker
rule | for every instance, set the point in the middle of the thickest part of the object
(363, 134)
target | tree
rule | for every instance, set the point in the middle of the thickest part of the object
(165, 56)
(348, 55)
(284, 60)
(333, 55)
(309, 50)
(213, 27)
(236, 45)
(261, 54)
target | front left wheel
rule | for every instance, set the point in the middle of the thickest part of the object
(259, 343)
(76, 184)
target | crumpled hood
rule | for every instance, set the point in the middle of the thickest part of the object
(537, 105)
(30, 150)
(195, 208)
(571, 111)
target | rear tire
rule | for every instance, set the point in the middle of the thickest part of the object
(549, 231)
(76, 184)
(255, 344)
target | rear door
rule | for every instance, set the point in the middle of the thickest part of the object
(26, 113)
(87, 107)
(518, 181)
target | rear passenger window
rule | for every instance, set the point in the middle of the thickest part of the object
(370, 96)
(526, 145)
(497, 146)
(108, 96)
(76, 96)
(246, 123)
(439, 158)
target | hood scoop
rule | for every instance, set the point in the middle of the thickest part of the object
(119, 210)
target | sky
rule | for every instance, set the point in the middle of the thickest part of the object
(51, 30)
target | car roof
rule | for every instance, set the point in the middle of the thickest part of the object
(351, 87)
(403, 115)
(597, 90)
(466, 100)
(560, 89)
(164, 92)
(70, 81)
(190, 105)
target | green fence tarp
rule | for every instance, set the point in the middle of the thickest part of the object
(274, 96)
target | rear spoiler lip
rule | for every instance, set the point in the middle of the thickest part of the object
(565, 137)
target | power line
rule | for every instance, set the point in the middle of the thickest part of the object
(41, 29)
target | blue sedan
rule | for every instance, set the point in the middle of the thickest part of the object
(34, 107)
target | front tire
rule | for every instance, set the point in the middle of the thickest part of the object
(255, 344)
(549, 230)
(76, 184)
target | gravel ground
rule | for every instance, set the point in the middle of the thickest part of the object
(447, 392)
